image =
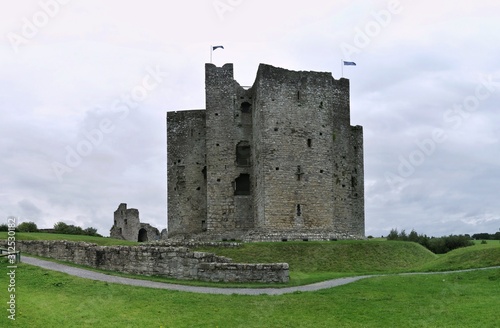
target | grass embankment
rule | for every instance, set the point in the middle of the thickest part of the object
(339, 256)
(315, 261)
(477, 256)
(52, 299)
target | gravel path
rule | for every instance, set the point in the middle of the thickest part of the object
(208, 290)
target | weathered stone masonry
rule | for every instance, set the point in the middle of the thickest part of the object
(280, 158)
(128, 226)
(166, 261)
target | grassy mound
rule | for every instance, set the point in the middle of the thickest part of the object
(340, 256)
(477, 256)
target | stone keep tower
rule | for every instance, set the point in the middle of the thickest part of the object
(278, 159)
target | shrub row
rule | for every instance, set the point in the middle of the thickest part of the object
(486, 236)
(22, 227)
(59, 227)
(437, 245)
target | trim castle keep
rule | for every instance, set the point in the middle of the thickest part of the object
(277, 161)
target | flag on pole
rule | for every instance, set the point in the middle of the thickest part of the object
(349, 63)
(212, 48)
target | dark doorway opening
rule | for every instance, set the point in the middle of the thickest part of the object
(242, 185)
(246, 107)
(143, 235)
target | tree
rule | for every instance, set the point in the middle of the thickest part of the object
(70, 229)
(74, 230)
(413, 236)
(60, 227)
(27, 227)
(90, 231)
(393, 235)
(439, 245)
(403, 236)
(482, 235)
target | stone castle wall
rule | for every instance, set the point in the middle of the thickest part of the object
(187, 177)
(278, 156)
(157, 260)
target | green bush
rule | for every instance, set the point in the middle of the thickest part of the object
(69, 229)
(4, 227)
(90, 231)
(27, 227)
(61, 227)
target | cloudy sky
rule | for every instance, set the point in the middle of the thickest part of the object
(85, 85)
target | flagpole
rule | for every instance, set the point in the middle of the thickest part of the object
(342, 67)
(211, 50)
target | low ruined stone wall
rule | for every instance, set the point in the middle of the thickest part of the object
(152, 260)
(192, 243)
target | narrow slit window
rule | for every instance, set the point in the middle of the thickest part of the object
(309, 143)
(299, 173)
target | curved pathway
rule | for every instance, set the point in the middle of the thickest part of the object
(82, 273)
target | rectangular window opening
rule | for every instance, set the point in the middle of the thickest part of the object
(242, 185)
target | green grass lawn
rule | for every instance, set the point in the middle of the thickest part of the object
(52, 299)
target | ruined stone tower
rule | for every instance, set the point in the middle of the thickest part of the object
(277, 161)
(128, 226)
